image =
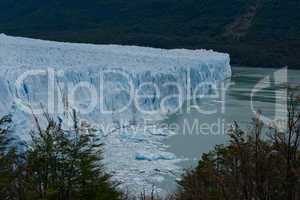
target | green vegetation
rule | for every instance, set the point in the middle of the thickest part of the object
(255, 32)
(57, 165)
(260, 164)
(254, 165)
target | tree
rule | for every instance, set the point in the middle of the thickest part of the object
(10, 164)
(66, 165)
(251, 166)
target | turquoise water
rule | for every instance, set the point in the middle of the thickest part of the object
(234, 105)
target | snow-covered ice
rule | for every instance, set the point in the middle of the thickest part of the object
(135, 156)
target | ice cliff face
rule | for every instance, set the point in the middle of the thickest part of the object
(102, 82)
(119, 70)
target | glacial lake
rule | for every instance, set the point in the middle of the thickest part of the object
(267, 87)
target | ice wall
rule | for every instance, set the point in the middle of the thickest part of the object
(114, 72)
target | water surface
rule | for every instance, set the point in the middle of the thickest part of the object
(236, 105)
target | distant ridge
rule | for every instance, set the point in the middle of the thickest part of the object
(263, 33)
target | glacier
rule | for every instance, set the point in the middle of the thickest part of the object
(108, 75)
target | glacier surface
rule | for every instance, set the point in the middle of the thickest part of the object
(137, 157)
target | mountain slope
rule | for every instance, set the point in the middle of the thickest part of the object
(254, 32)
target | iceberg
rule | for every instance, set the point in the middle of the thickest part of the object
(153, 157)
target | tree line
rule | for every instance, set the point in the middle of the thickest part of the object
(56, 165)
(261, 163)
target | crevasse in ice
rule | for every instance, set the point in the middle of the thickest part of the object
(115, 73)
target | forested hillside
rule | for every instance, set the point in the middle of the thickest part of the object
(255, 32)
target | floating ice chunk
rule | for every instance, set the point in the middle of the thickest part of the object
(154, 157)
(161, 132)
(133, 136)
